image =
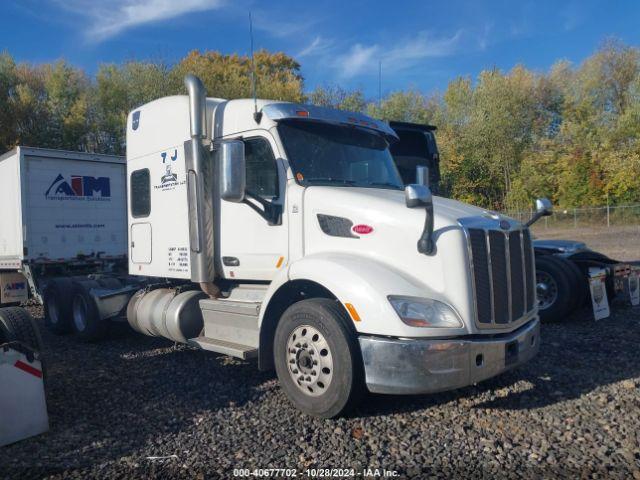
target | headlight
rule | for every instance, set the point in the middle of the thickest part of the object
(425, 312)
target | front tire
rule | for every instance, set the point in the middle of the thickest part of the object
(317, 358)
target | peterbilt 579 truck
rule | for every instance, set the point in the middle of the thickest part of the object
(287, 233)
(284, 232)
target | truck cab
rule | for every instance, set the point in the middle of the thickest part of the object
(285, 232)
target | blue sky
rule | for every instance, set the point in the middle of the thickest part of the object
(421, 44)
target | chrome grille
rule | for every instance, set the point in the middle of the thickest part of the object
(503, 277)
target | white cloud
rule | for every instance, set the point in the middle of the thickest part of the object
(317, 46)
(400, 56)
(108, 18)
(356, 60)
(277, 27)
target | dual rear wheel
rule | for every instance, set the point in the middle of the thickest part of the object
(70, 308)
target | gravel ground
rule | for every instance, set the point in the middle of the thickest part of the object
(573, 411)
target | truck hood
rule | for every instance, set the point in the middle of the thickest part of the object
(375, 225)
(391, 203)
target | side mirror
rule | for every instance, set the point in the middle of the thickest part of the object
(543, 209)
(421, 196)
(233, 176)
(418, 196)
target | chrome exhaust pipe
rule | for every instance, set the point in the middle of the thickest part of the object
(200, 189)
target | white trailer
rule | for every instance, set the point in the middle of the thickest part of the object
(283, 231)
(62, 222)
(59, 206)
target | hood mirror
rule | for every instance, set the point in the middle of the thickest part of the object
(543, 209)
(417, 196)
(420, 196)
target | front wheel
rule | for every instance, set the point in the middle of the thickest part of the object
(317, 358)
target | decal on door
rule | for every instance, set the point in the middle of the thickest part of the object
(169, 179)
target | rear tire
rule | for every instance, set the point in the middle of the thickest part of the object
(17, 325)
(87, 325)
(57, 305)
(553, 290)
(317, 358)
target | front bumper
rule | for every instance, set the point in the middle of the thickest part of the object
(410, 366)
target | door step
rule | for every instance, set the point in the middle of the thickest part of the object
(226, 348)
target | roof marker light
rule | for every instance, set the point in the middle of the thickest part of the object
(302, 113)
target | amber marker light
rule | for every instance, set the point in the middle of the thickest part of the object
(353, 312)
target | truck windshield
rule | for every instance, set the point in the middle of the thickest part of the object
(326, 154)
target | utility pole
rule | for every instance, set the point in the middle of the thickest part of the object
(380, 83)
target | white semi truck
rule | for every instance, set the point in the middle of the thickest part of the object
(287, 234)
(284, 232)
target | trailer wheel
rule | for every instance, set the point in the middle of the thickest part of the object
(17, 325)
(553, 290)
(87, 324)
(317, 358)
(57, 305)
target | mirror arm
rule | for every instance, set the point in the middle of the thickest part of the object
(426, 245)
(272, 213)
(536, 216)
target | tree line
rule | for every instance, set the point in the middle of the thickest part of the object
(571, 133)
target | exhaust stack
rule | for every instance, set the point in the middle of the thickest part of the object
(200, 190)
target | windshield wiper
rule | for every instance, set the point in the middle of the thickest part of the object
(385, 184)
(331, 180)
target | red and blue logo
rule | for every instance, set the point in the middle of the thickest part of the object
(79, 186)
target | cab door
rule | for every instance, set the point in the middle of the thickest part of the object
(251, 246)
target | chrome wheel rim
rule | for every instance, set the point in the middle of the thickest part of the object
(80, 313)
(309, 360)
(546, 290)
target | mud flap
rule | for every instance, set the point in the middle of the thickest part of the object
(599, 300)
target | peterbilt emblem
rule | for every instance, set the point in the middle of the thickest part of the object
(504, 225)
(135, 120)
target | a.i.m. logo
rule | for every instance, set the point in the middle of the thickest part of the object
(79, 187)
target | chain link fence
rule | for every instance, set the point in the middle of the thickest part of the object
(612, 230)
(584, 217)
